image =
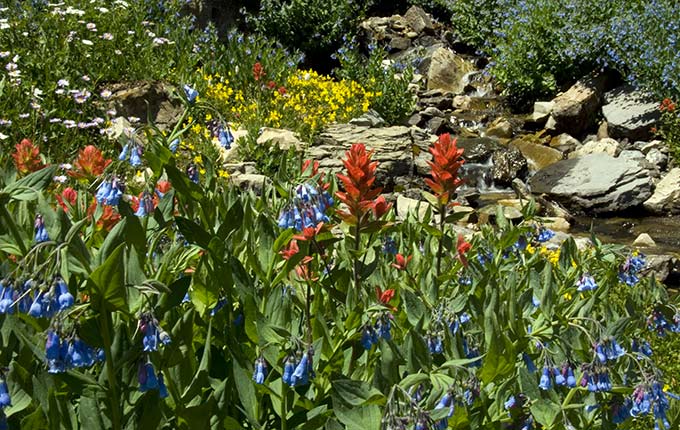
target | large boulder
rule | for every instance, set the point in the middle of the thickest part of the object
(446, 71)
(144, 100)
(478, 149)
(666, 197)
(418, 20)
(595, 183)
(574, 110)
(607, 146)
(538, 156)
(508, 165)
(630, 113)
(400, 151)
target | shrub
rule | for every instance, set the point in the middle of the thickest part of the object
(669, 127)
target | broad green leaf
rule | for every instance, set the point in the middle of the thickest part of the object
(107, 283)
(545, 412)
(354, 393)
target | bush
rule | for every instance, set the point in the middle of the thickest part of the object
(390, 82)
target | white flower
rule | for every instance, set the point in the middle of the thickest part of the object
(63, 83)
(107, 36)
(87, 42)
(55, 120)
(85, 78)
(4, 54)
(37, 92)
(3, 136)
(59, 91)
(15, 58)
(61, 179)
(69, 123)
(91, 26)
(35, 106)
(11, 67)
(24, 115)
(121, 3)
(66, 166)
(105, 94)
(133, 120)
(73, 11)
(130, 32)
(118, 52)
(103, 10)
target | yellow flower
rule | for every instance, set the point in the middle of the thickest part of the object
(567, 296)
(530, 248)
(222, 173)
(198, 159)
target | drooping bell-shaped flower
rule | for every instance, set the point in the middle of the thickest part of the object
(65, 298)
(5, 399)
(36, 309)
(288, 369)
(124, 152)
(40, 230)
(260, 371)
(192, 173)
(225, 137)
(303, 371)
(162, 388)
(136, 155)
(145, 205)
(174, 145)
(545, 382)
(147, 377)
(190, 93)
(6, 297)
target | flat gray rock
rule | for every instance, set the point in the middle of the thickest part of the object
(630, 113)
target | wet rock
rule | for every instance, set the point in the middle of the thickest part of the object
(604, 146)
(478, 149)
(538, 156)
(575, 109)
(447, 70)
(595, 183)
(501, 128)
(644, 240)
(565, 143)
(508, 165)
(666, 197)
(541, 112)
(630, 113)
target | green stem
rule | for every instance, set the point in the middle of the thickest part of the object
(357, 247)
(440, 248)
(284, 409)
(13, 229)
(110, 372)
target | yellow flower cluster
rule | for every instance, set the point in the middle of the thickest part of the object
(218, 89)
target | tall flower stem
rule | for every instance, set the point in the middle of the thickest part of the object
(357, 267)
(440, 248)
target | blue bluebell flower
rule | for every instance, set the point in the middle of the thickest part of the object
(560, 376)
(36, 309)
(191, 93)
(288, 369)
(186, 298)
(40, 230)
(152, 333)
(529, 362)
(389, 246)
(174, 145)
(307, 208)
(630, 269)
(224, 136)
(145, 205)
(136, 155)
(484, 256)
(586, 283)
(303, 371)
(124, 152)
(435, 344)
(220, 304)
(621, 411)
(368, 337)
(162, 388)
(7, 294)
(445, 402)
(642, 348)
(383, 326)
(510, 403)
(545, 382)
(544, 235)
(109, 192)
(5, 399)
(65, 298)
(147, 377)
(571, 379)
(260, 371)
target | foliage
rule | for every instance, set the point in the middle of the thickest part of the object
(316, 27)
(388, 81)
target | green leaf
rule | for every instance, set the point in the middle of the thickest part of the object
(548, 294)
(354, 393)
(193, 232)
(545, 412)
(246, 391)
(183, 184)
(498, 361)
(361, 418)
(37, 181)
(107, 283)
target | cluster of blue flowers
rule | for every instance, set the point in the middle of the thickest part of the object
(48, 303)
(145, 205)
(630, 269)
(109, 192)
(389, 246)
(12, 293)
(642, 348)
(192, 173)
(298, 372)
(190, 93)
(132, 152)
(658, 322)
(373, 332)
(40, 230)
(463, 395)
(586, 283)
(69, 353)
(564, 376)
(149, 380)
(307, 208)
(595, 378)
(152, 333)
(220, 130)
(544, 234)
(609, 350)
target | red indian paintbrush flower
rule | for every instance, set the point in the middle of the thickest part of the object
(90, 163)
(359, 191)
(27, 157)
(402, 262)
(462, 247)
(446, 160)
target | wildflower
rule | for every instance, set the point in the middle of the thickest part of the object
(586, 283)
(630, 268)
(445, 402)
(65, 297)
(40, 230)
(389, 246)
(260, 371)
(384, 297)
(148, 326)
(288, 369)
(435, 344)
(402, 262)
(5, 400)
(27, 157)
(609, 349)
(108, 218)
(190, 93)
(174, 145)
(359, 190)
(147, 377)
(529, 362)
(462, 247)
(383, 326)
(510, 403)
(135, 150)
(146, 205)
(192, 173)
(6, 298)
(642, 348)
(109, 192)
(444, 168)
(303, 371)
(667, 105)
(258, 71)
(545, 382)
(307, 209)
(369, 337)
(81, 97)
(89, 164)
(545, 234)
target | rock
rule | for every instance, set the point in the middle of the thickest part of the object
(633, 155)
(370, 118)
(437, 125)
(418, 20)
(541, 112)
(645, 147)
(556, 224)
(644, 240)
(630, 113)
(662, 267)
(414, 120)
(501, 128)
(595, 183)
(406, 205)
(666, 197)
(489, 213)
(251, 182)
(400, 43)
(604, 146)
(144, 100)
(478, 149)
(657, 158)
(538, 156)
(232, 155)
(603, 131)
(285, 139)
(393, 148)
(436, 99)
(574, 110)
(462, 102)
(447, 70)
(565, 143)
(508, 165)
(431, 111)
